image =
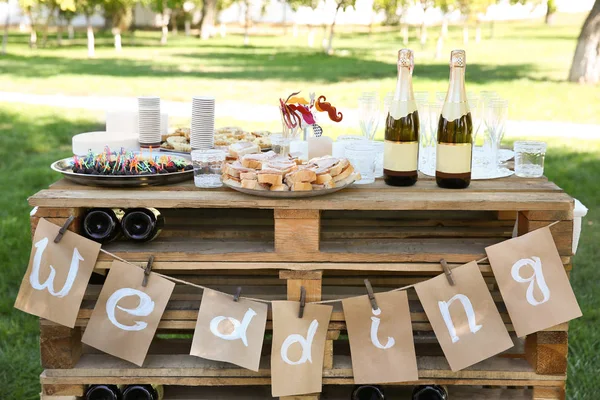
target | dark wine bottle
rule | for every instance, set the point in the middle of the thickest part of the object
(368, 392)
(401, 148)
(142, 224)
(103, 392)
(429, 392)
(143, 392)
(102, 224)
(454, 153)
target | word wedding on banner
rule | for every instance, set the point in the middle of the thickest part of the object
(465, 320)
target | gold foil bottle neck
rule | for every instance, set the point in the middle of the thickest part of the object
(406, 58)
(458, 58)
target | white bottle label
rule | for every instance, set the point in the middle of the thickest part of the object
(453, 158)
(400, 156)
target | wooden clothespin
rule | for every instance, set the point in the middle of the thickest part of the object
(371, 295)
(236, 296)
(147, 271)
(302, 301)
(64, 228)
(447, 271)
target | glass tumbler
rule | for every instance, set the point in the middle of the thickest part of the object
(207, 167)
(378, 158)
(529, 158)
(362, 156)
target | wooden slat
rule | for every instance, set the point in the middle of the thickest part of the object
(547, 352)
(60, 346)
(224, 268)
(297, 231)
(101, 365)
(496, 195)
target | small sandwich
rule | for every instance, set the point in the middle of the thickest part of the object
(240, 149)
(231, 181)
(254, 185)
(256, 161)
(280, 188)
(250, 175)
(270, 176)
(283, 165)
(344, 174)
(234, 169)
(302, 175)
(301, 186)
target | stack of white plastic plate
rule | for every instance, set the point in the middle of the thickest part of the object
(202, 131)
(149, 121)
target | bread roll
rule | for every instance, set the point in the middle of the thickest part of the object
(271, 179)
(301, 186)
(344, 174)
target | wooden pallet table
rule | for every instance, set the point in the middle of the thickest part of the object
(394, 236)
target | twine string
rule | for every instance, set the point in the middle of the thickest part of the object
(183, 282)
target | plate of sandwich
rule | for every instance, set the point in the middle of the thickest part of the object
(270, 175)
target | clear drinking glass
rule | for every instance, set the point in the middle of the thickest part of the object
(495, 117)
(422, 97)
(424, 137)
(440, 97)
(368, 115)
(338, 148)
(362, 156)
(378, 157)
(529, 158)
(387, 102)
(435, 111)
(207, 167)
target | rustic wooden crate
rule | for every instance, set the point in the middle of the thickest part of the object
(272, 247)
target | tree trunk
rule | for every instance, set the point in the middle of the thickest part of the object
(59, 31)
(165, 24)
(549, 18)
(444, 32)
(586, 60)
(285, 27)
(405, 34)
(207, 22)
(492, 26)
(478, 32)
(49, 19)
(466, 34)
(5, 36)
(70, 30)
(90, 38)
(33, 34)
(423, 35)
(117, 34)
(332, 30)
(247, 24)
(439, 46)
(223, 30)
(295, 30)
(311, 36)
(188, 27)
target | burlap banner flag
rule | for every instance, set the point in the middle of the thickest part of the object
(381, 340)
(127, 314)
(230, 331)
(533, 282)
(298, 348)
(464, 317)
(57, 275)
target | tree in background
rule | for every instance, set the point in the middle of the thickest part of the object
(168, 10)
(119, 13)
(32, 10)
(471, 9)
(550, 11)
(586, 60)
(6, 25)
(88, 8)
(339, 4)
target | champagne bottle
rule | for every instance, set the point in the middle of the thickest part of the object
(455, 130)
(102, 224)
(142, 224)
(143, 392)
(103, 392)
(429, 392)
(368, 392)
(401, 149)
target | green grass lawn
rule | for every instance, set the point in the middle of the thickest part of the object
(526, 62)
